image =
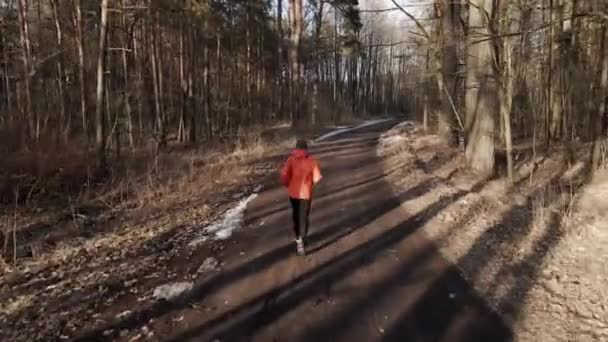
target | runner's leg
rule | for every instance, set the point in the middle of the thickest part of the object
(295, 209)
(308, 205)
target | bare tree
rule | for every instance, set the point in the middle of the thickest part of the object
(60, 69)
(506, 89)
(79, 40)
(449, 67)
(296, 20)
(33, 128)
(603, 97)
(99, 102)
(482, 90)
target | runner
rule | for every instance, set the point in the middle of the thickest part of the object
(299, 175)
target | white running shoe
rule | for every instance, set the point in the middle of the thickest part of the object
(300, 246)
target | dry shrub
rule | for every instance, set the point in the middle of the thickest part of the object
(58, 175)
(49, 172)
(594, 197)
(61, 187)
(172, 175)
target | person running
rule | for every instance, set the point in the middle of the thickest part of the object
(299, 175)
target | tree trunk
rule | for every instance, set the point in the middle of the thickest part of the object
(481, 97)
(603, 95)
(32, 120)
(60, 75)
(506, 88)
(296, 28)
(249, 62)
(7, 82)
(158, 52)
(99, 113)
(192, 134)
(207, 88)
(336, 65)
(155, 76)
(555, 75)
(426, 90)
(79, 41)
(183, 86)
(127, 84)
(317, 62)
(449, 66)
(139, 59)
(279, 76)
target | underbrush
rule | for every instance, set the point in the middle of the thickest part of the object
(55, 194)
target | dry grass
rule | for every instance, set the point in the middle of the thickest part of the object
(594, 200)
(179, 174)
(535, 250)
(62, 194)
(16, 304)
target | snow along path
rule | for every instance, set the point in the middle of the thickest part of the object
(232, 220)
(393, 137)
(350, 129)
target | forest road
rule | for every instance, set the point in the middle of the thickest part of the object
(370, 273)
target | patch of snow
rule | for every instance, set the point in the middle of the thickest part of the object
(394, 137)
(198, 241)
(282, 125)
(238, 195)
(258, 188)
(332, 134)
(224, 228)
(123, 314)
(371, 123)
(405, 124)
(171, 291)
(387, 142)
(350, 129)
(209, 265)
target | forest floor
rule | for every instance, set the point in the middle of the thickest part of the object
(404, 245)
(535, 251)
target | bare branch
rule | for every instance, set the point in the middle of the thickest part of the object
(379, 10)
(424, 32)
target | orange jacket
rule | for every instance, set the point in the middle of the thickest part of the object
(299, 174)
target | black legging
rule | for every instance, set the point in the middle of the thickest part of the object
(300, 210)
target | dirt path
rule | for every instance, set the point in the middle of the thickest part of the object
(369, 276)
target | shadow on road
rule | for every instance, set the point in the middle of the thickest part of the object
(347, 208)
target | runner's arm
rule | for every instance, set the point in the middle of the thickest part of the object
(316, 174)
(285, 173)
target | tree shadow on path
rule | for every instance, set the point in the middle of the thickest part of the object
(242, 322)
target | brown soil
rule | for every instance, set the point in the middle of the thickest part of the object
(371, 272)
(535, 254)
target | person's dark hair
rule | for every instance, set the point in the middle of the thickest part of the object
(302, 144)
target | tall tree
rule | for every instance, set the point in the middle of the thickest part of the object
(450, 13)
(60, 68)
(318, 6)
(79, 40)
(507, 82)
(482, 89)
(296, 27)
(99, 102)
(602, 99)
(26, 51)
